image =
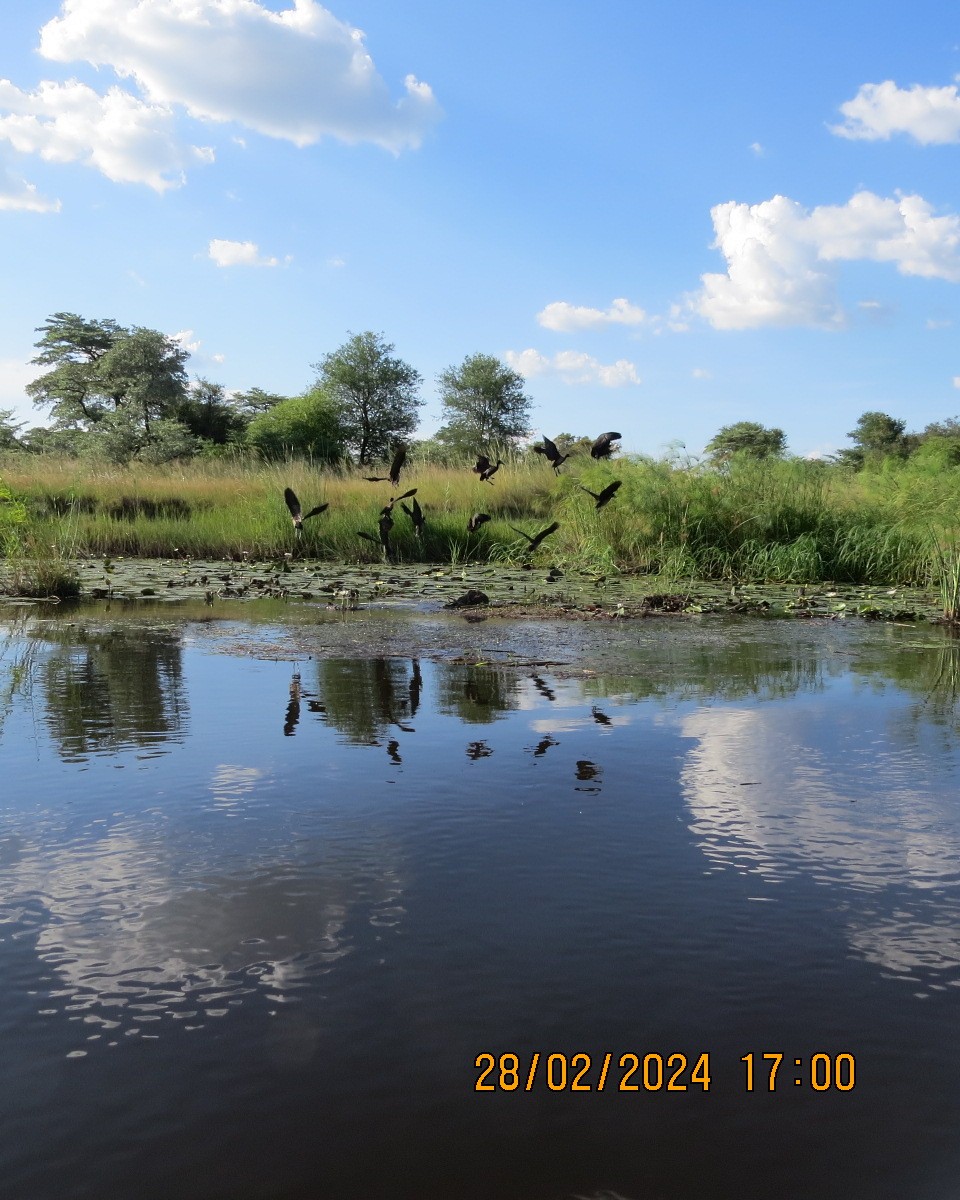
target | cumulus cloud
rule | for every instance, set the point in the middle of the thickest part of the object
(238, 254)
(780, 255)
(298, 74)
(124, 138)
(564, 317)
(930, 115)
(572, 366)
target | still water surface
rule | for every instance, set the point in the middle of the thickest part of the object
(258, 920)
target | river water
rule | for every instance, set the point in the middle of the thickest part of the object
(275, 924)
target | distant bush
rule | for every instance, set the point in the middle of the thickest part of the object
(305, 427)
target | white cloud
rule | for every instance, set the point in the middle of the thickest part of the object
(124, 138)
(930, 115)
(298, 74)
(956, 381)
(16, 193)
(779, 256)
(186, 339)
(938, 323)
(757, 149)
(238, 254)
(574, 367)
(564, 317)
(701, 373)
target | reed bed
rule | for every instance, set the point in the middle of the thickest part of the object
(778, 521)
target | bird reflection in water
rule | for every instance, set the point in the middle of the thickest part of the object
(588, 772)
(546, 692)
(393, 749)
(416, 686)
(297, 696)
(601, 718)
(543, 746)
(293, 708)
(477, 750)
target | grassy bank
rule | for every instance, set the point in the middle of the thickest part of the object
(779, 521)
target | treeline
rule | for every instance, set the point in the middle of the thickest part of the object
(878, 440)
(122, 394)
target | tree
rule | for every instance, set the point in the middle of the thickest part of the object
(376, 395)
(747, 439)
(143, 372)
(255, 401)
(208, 414)
(9, 430)
(484, 406)
(305, 425)
(73, 347)
(99, 368)
(877, 436)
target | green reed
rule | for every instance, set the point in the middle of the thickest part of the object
(782, 521)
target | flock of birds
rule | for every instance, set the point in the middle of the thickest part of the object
(601, 448)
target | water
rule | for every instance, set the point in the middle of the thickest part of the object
(266, 925)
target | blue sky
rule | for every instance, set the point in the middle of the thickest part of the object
(668, 217)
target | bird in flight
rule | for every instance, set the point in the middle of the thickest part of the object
(394, 477)
(476, 521)
(550, 451)
(603, 446)
(485, 469)
(537, 538)
(297, 515)
(416, 516)
(606, 495)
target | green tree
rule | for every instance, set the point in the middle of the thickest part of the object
(99, 368)
(484, 406)
(376, 394)
(9, 430)
(73, 348)
(208, 414)
(748, 439)
(877, 436)
(307, 425)
(255, 401)
(143, 372)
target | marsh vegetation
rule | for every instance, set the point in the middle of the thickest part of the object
(774, 520)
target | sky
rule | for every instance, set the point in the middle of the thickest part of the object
(668, 217)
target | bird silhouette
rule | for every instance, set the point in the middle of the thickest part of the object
(603, 446)
(476, 521)
(416, 516)
(485, 468)
(394, 477)
(606, 495)
(384, 525)
(297, 514)
(537, 538)
(552, 454)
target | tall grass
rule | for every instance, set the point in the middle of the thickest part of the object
(27, 567)
(783, 521)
